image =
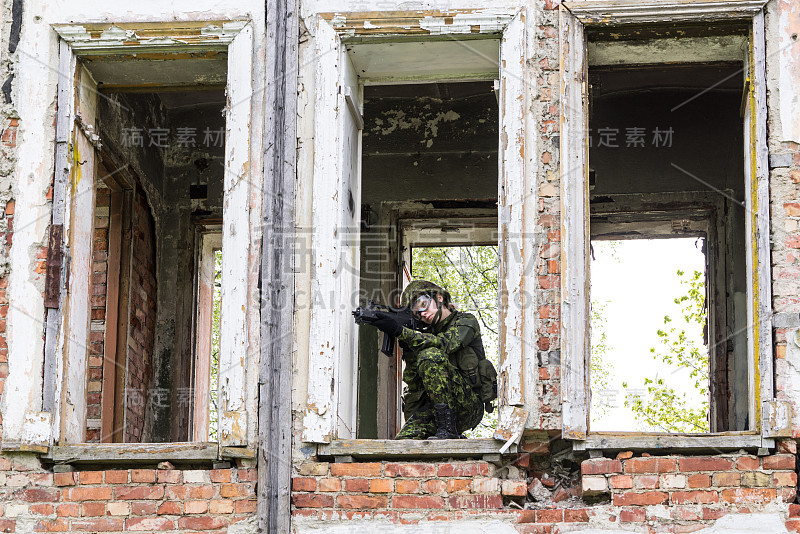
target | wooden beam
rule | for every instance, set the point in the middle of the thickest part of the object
(615, 12)
(574, 229)
(388, 448)
(112, 316)
(236, 244)
(130, 453)
(514, 182)
(635, 441)
(277, 266)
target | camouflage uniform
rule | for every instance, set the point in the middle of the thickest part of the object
(432, 375)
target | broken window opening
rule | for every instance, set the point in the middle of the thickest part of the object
(649, 356)
(429, 170)
(469, 272)
(666, 164)
(164, 151)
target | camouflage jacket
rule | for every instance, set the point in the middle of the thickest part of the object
(458, 336)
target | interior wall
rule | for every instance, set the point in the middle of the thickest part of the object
(180, 157)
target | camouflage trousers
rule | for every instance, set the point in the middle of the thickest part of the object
(432, 379)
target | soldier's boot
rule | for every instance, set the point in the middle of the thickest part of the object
(445, 422)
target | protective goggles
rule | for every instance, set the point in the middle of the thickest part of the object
(422, 303)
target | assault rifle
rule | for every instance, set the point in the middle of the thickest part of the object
(368, 315)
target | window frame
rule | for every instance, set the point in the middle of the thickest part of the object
(325, 419)
(65, 362)
(574, 17)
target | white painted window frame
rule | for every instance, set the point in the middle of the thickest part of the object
(574, 16)
(323, 420)
(69, 359)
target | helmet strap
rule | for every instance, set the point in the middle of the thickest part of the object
(438, 316)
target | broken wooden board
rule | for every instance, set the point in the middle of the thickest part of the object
(510, 423)
(411, 448)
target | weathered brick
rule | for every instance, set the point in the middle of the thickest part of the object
(118, 476)
(127, 493)
(195, 507)
(362, 501)
(514, 488)
(220, 475)
(143, 475)
(645, 482)
(700, 480)
(705, 464)
(755, 479)
(311, 469)
(550, 516)
(600, 466)
(37, 495)
(305, 484)
(673, 481)
(686, 513)
(748, 463)
(246, 506)
(485, 485)
(407, 486)
(356, 469)
(593, 485)
(149, 523)
(749, 495)
(68, 510)
(631, 515)
(650, 465)
(105, 524)
(202, 523)
(779, 461)
(236, 490)
(632, 498)
(476, 501)
(620, 481)
(325, 484)
(93, 509)
(65, 479)
(467, 469)
(358, 484)
(576, 515)
(380, 485)
(784, 478)
(144, 508)
(118, 508)
(169, 508)
(730, 478)
(417, 470)
(220, 507)
(694, 497)
(312, 500)
(453, 485)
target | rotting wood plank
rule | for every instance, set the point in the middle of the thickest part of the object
(407, 448)
(514, 181)
(235, 244)
(419, 22)
(616, 12)
(89, 453)
(574, 229)
(762, 288)
(674, 442)
(53, 362)
(277, 268)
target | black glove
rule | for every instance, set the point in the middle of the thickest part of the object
(388, 324)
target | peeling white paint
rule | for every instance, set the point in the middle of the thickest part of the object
(789, 69)
(463, 23)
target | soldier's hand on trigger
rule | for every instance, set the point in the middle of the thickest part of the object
(388, 324)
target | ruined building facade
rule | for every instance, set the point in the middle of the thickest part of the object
(196, 195)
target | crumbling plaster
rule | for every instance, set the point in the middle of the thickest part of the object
(36, 81)
(783, 70)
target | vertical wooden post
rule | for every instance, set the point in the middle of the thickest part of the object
(574, 229)
(277, 267)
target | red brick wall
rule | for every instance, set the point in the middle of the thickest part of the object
(142, 319)
(94, 389)
(696, 490)
(125, 499)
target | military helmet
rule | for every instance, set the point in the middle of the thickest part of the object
(421, 287)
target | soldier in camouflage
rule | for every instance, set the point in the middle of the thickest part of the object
(439, 401)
